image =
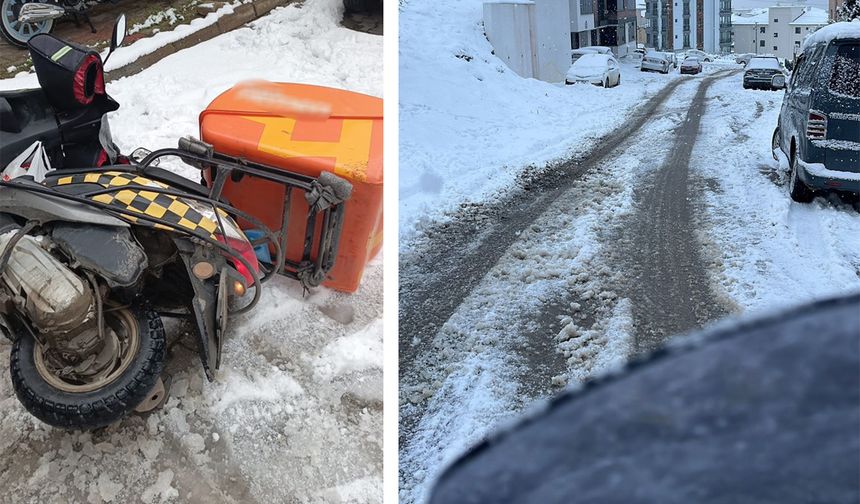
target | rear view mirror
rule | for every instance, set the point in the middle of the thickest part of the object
(119, 30)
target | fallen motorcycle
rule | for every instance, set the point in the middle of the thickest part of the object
(93, 256)
(20, 20)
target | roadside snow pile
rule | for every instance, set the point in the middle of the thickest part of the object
(768, 251)
(154, 19)
(295, 413)
(125, 55)
(470, 125)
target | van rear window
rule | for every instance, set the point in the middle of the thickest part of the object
(845, 78)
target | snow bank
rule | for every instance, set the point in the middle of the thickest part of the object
(766, 250)
(469, 125)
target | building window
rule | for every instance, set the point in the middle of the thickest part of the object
(775, 35)
(761, 42)
(775, 49)
(761, 29)
(586, 7)
(797, 29)
(775, 20)
(796, 43)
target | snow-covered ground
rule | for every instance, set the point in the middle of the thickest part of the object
(768, 251)
(482, 370)
(469, 125)
(295, 414)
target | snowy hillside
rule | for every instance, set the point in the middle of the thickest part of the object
(295, 413)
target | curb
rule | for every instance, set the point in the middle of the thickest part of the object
(242, 15)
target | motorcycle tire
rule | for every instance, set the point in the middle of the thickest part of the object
(18, 34)
(102, 406)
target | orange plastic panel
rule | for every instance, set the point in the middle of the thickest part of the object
(305, 129)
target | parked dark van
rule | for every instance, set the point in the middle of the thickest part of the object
(819, 125)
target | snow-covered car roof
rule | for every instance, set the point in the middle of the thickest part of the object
(592, 60)
(590, 63)
(691, 61)
(843, 30)
(657, 54)
(763, 64)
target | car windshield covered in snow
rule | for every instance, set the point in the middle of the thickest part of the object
(593, 63)
(845, 76)
(763, 64)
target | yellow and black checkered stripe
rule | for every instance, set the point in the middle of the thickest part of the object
(136, 199)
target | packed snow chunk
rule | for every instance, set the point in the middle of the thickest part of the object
(355, 352)
(263, 388)
(107, 489)
(161, 491)
(193, 442)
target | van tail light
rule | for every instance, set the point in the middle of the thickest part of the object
(816, 125)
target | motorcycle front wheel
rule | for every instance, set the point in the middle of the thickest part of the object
(102, 398)
(16, 32)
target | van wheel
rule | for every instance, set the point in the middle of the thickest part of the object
(774, 144)
(798, 191)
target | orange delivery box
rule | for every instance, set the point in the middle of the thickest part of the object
(307, 130)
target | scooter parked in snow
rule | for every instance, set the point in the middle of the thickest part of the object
(94, 252)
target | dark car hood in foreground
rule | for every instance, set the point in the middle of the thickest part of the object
(761, 411)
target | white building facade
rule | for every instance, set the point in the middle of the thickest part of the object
(777, 31)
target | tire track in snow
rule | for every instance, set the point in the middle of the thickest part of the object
(453, 257)
(667, 280)
(486, 359)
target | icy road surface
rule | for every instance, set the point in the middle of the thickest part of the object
(679, 219)
(295, 414)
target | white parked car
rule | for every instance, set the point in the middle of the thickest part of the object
(701, 55)
(598, 69)
(655, 62)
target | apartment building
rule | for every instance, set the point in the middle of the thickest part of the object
(675, 25)
(610, 23)
(778, 30)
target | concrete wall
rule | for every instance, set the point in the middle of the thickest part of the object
(508, 28)
(532, 38)
(551, 36)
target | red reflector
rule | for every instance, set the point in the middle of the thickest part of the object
(833, 183)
